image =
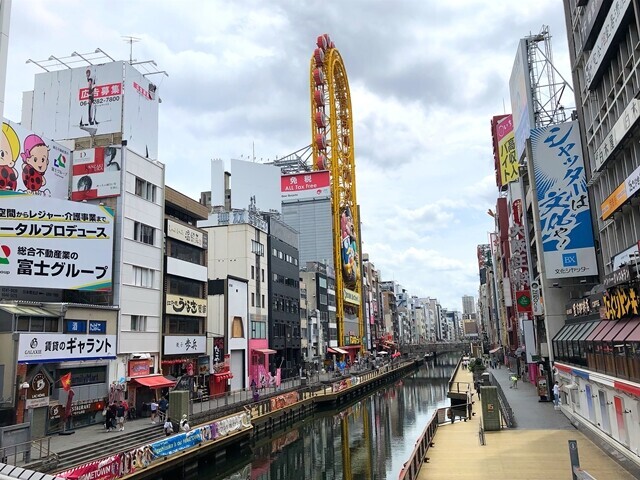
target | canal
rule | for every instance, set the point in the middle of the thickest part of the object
(370, 439)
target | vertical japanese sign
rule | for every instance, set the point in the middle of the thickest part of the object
(507, 150)
(563, 203)
(33, 164)
(52, 243)
(78, 102)
(519, 273)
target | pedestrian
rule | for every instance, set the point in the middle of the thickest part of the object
(556, 395)
(120, 414)
(514, 381)
(108, 419)
(154, 411)
(163, 405)
(184, 424)
(168, 427)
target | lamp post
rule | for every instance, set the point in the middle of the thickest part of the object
(24, 386)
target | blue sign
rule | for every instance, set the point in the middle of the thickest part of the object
(569, 260)
(75, 326)
(176, 443)
(97, 326)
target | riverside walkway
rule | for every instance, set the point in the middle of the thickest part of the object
(534, 450)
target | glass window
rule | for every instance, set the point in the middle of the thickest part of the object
(253, 272)
(253, 299)
(142, 277)
(185, 286)
(323, 299)
(274, 252)
(322, 282)
(143, 233)
(262, 275)
(37, 324)
(185, 252)
(185, 325)
(145, 190)
(138, 323)
(258, 330)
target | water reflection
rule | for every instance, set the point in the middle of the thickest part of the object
(370, 439)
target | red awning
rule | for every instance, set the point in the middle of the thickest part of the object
(601, 334)
(629, 327)
(611, 334)
(266, 351)
(634, 336)
(337, 350)
(154, 381)
(597, 330)
(222, 376)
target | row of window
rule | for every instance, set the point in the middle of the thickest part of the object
(253, 300)
(285, 305)
(284, 256)
(286, 281)
(253, 273)
(146, 190)
(258, 329)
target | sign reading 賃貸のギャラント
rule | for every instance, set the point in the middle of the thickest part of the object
(59, 347)
(52, 243)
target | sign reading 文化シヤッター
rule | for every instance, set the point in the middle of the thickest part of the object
(185, 234)
(191, 306)
(57, 347)
(53, 243)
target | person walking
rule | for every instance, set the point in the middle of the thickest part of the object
(108, 419)
(154, 411)
(168, 427)
(120, 414)
(163, 405)
(556, 395)
(514, 381)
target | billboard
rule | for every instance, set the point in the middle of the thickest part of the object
(563, 202)
(521, 99)
(250, 180)
(349, 249)
(60, 347)
(140, 113)
(507, 150)
(52, 243)
(33, 164)
(304, 186)
(78, 102)
(96, 173)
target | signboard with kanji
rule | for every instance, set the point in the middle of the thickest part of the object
(59, 347)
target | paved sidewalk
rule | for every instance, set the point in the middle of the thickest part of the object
(537, 449)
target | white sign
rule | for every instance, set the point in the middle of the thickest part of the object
(59, 347)
(521, 98)
(184, 344)
(536, 300)
(622, 126)
(185, 234)
(37, 402)
(79, 102)
(140, 113)
(52, 243)
(605, 37)
(96, 173)
(33, 164)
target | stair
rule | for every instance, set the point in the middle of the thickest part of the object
(108, 446)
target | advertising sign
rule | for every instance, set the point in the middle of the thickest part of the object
(536, 299)
(349, 249)
(620, 302)
(181, 344)
(79, 102)
(218, 350)
(176, 443)
(185, 234)
(60, 347)
(104, 469)
(52, 243)
(523, 301)
(140, 113)
(96, 173)
(139, 368)
(521, 100)
(303, 186)
(190, 306)
(507, 150)
(33, 164)
(351, 297)
(38, 391)
(563, 202)
(618, 132)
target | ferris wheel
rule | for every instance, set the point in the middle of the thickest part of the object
(332, 143)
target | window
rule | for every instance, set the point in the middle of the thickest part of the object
(253, 272)
(138, 323)
(280, 255)
(185, 325)
(145, 190)
(143, 233)
(237, 328)
(274, 252)
(258, 330)
(257, 248)
(322, 282)
(185, 286)
(253, 299)
(323, 299)
(37, 324)
(185, 252)
(295, 261)
(262, 275)
(262, 300)
(142, 277)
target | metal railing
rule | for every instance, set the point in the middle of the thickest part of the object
(505, 408)
(581, 474)
(34, 450)
(411, 468)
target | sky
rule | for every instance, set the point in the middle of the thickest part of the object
(425, 78)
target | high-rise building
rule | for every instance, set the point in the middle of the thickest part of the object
(468, 305)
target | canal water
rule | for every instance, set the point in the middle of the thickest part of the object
(370, 439)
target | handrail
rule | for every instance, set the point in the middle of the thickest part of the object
(581, 474)
(505, 408)
(411, 467)
(38, 449)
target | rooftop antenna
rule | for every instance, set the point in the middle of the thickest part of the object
(130, 40)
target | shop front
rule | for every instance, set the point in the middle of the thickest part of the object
(185, 356)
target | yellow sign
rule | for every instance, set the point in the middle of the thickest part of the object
(620, 302)
(351, 297)
(507, 151)
(614, 201)
(179, 305)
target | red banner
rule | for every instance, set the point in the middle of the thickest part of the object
(105, 469)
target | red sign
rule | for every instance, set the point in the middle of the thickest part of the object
(105, 469)
(101, 91)
(138, 368)
(305, 185)
(523, 301)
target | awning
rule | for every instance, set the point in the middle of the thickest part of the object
(630, 326)
(154, 381)
(634, 336)
(494, 350)
(337, 350)
(601, 334)
(562, 333)
(578, 332)
(611, 334)
(222, 376)
(596, 331)
(591, 326)
(28, 310)
(266, 351)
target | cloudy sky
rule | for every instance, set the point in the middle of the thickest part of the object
(425, 79)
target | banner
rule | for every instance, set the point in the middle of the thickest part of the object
(176, 443)
(60, 347)
(52, 243)
(96, 173)
(33, 164)
(105, 469)
(302, 186)
(563, 201)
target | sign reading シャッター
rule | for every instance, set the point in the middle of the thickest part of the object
(58, 347)
(53, 243)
